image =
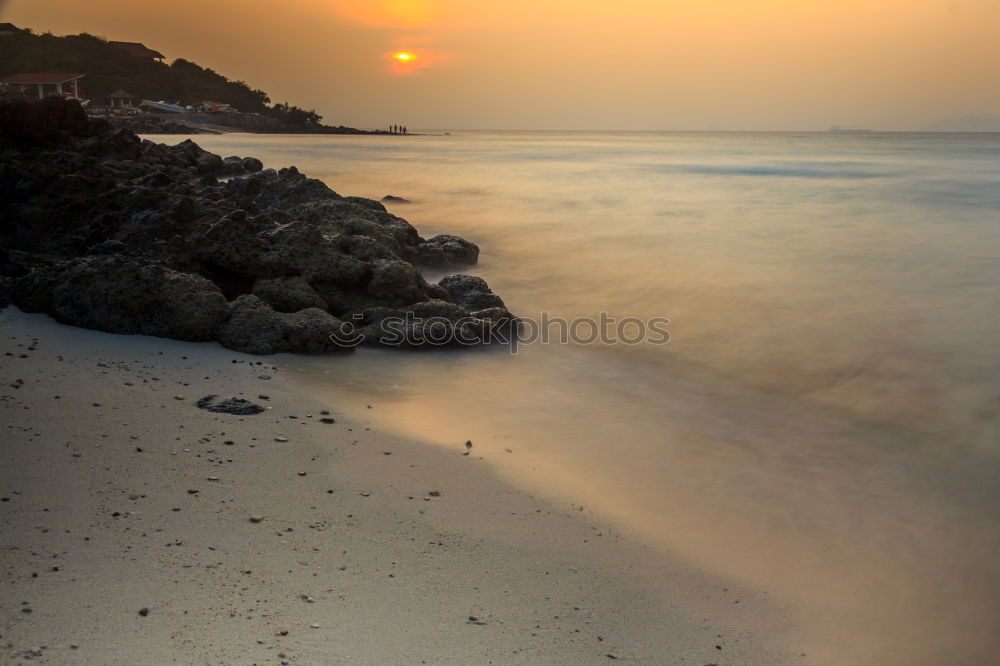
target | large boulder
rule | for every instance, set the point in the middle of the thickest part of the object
(446, 251)
(255, 328)
(299, 248)
(470, 292)
(396, 282)
(124, 295)
(234, 242)
(288, 294)
(251, 164)
(105, 230)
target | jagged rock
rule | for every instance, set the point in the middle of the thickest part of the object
(124, 295)
(288, 294)
(470, 292)
(255, 328)
(370, 204)
(396, 282)
(439, 309)
(209, 163)
(233, 242)
(105, 230)
(445, 251)
(237, 406)
(251, 164)
(5, 284)
(389, 198)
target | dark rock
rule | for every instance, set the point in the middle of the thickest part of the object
(251, 164)
(255, 328)
(237, 406)
(124, 295)
(470, 292)
(396, 200)
(288, 294)
(370, 204)
(396, 282)
(104, 230)
(445, 251)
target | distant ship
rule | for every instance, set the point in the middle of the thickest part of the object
(849, 129)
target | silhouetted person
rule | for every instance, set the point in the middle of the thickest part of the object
(404, 129)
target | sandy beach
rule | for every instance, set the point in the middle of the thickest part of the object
(128, 532)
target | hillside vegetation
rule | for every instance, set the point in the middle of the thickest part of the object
(109, 68)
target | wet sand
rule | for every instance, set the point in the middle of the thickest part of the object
(126, 534)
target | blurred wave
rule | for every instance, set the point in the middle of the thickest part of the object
(825, 422)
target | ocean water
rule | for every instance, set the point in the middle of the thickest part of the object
(824, 423)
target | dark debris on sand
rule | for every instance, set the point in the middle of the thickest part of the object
(237, 406)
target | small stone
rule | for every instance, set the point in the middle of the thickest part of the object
(281, 438)
(365, 494)
(178, 397)
(327, 420)
(302, 473)
(256, 518)
(144, 612)
(237, 406)
(282, 632)
(434, 493)
(192, 492)
(314, 625)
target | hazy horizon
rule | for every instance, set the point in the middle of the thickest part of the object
(641, 65)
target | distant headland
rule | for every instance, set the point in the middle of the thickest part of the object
(129, 84)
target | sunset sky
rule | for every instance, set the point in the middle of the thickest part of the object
(578, 64)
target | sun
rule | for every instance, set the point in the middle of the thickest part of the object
(404, 57)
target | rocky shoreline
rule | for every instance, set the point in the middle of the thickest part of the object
(108, 231)
(219, 123)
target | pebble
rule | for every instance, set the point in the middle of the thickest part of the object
(144, 612)
(256, 518)
(314, 625)
(281, 438)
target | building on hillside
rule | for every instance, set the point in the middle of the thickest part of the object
(120, 98)
(138, 50)
(42, 85)
(9, 29)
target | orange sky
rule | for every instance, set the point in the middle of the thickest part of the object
(578, 64)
